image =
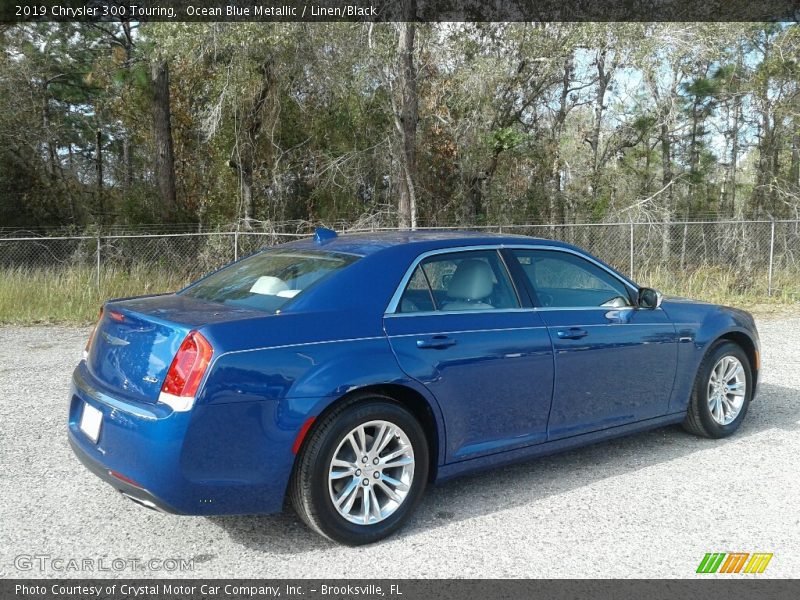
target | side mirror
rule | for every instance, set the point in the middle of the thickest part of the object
(649, 298)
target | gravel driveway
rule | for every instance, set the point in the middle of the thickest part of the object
(650, 505)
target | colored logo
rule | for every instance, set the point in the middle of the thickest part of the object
(734, 562)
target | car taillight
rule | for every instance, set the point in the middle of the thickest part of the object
(186, 372)
(91, 336)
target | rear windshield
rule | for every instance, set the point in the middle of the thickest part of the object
(270, 279)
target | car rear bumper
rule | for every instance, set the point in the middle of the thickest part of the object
(135, 493)
(211, 460)
(138, 448)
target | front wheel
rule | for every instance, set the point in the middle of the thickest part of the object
(722, 392)
(362, 471)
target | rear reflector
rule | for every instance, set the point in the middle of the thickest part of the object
(186, 372)
(124, 478)
(91, 336)
(301, 435)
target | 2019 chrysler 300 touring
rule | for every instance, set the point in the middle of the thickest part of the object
(348, 372)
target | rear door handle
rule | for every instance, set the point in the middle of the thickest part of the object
(436, 342)
(573, 333)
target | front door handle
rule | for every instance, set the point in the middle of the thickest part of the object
(436, 342)
(573, 333)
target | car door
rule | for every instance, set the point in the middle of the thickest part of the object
(458, 326)
(614, 363)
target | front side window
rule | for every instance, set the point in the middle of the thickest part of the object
(474, 280)
(268, 280)
(564, 280)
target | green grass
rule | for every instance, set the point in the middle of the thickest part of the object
(732, 286)
(71, 295)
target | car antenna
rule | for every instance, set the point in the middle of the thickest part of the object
(323, 234)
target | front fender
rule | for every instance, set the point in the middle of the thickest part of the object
(698, 326)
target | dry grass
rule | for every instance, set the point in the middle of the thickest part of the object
(731, 287)
(29, 297)
(71, 295)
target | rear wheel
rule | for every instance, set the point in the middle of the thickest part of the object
(362, 471)
(722, 392)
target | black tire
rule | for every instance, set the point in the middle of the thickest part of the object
(698, 416)
(308, 488)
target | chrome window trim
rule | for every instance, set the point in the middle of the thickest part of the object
(391, 309)
(431, 313)
(475, 311)
(603, 308)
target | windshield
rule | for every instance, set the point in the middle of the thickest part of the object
(268, 280)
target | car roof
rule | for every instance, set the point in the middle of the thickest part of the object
(365, 244)
(386, 256)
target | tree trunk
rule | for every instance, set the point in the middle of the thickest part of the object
(603, 79)
(98, 161)
(164, 162)
(794, 170)
(737, 112)
(247, 197)
(73, 210)
(666, 180)
(254, 122)
(557, 197)
(765, 138)
(694, 156)
(127, 167)
(683, 245)
(53, 162)
(409, 117)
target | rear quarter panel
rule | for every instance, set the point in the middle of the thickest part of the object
(255, 401)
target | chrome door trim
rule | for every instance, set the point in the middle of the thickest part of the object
(474, 311)
(462, 331)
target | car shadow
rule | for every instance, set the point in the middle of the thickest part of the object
(522, 483)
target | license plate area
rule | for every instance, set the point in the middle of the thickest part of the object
(91, 421)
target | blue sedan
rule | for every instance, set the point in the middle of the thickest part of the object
(345, 373)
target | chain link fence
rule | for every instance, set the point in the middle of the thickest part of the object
(755, 253)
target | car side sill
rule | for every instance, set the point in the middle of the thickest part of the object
(512, 456)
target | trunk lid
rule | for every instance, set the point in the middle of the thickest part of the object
(136, 340)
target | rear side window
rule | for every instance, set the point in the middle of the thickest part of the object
(475, 280)
(270, 279)
(564, 280)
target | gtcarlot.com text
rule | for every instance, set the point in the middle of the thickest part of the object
(62, 564)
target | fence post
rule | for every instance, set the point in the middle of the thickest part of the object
(771, 253)
(236, 245)
(97, 259)
(631, 244)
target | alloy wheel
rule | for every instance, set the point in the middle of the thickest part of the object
(371, 472)
(727, 387)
